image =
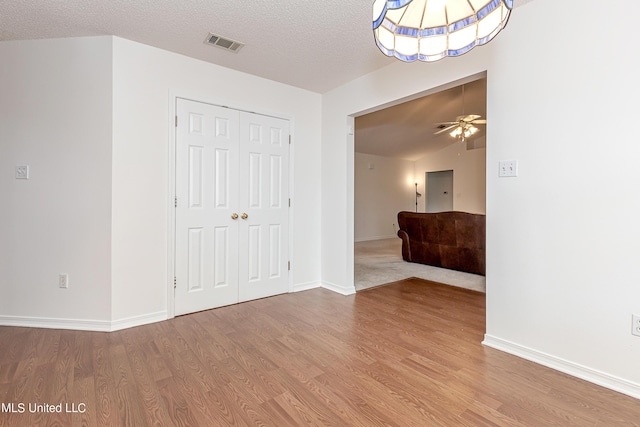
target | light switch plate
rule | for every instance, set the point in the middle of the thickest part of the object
(508, 168)
(63, 280)
(22, 172)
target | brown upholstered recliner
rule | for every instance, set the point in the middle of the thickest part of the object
(454, 240)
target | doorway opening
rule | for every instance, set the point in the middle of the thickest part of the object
(439, 191)
(395, 150)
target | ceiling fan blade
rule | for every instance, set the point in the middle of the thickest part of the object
(469, 117)
(447, 129)
(479, 122)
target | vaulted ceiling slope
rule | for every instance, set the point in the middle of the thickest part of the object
(406, 131)
(314, 45)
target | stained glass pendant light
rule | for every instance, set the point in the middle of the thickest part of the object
(429, 30)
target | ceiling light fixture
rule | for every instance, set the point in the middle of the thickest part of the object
(429, 30)
(464, 130)
(463, 127)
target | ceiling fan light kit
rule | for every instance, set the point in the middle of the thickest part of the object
(464, 130)
(463, 127)
(429, 30)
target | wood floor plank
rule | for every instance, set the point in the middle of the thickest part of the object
(83, 393)
(104, 403)
(182, 413)
(154, 412)
(405, 354)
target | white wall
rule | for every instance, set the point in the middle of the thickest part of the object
(562, 238)
(389, 187)
(143, 79)
(469, 176)
(55, 116)
(569, 287)
(90, 116)
(384, 186)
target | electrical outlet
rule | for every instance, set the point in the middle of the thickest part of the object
(636, 324)
(63, 280)
(22, 172)
(508, 168)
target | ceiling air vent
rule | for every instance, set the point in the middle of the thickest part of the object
(223, 43)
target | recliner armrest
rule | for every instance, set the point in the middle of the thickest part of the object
(406, 249)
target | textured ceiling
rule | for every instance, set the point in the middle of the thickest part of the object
(315, 45)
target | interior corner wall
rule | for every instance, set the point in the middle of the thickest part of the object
(143, 79)
(469, 176)
(55, 117)
(562, 236)
(384, 186)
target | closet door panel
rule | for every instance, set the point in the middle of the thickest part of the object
(206, 255)
(264, 194)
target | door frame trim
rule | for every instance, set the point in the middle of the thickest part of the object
(174, 95)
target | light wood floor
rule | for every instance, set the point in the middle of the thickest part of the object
(404, 354)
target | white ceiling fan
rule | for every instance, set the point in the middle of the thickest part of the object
(463, 127)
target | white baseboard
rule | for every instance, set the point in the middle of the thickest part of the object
(80, 324)
(51, 323)
(305, 286)
(600, 378)
(131, 322)
(344, 290)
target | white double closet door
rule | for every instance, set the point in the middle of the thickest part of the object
(232, 213)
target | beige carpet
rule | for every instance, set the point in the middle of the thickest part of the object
(380, 261)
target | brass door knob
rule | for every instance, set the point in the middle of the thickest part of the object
(244, 216)
(234, 216)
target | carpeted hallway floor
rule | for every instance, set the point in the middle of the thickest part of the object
(380, 261)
